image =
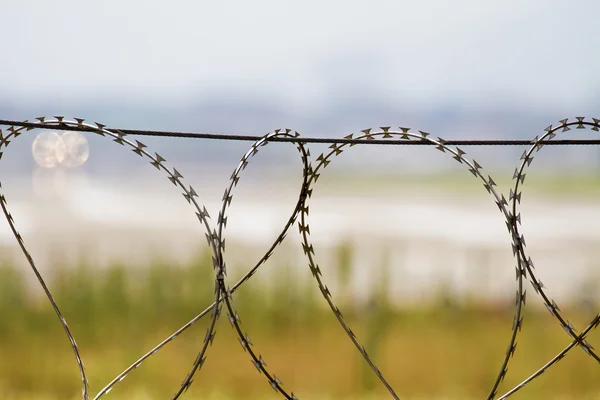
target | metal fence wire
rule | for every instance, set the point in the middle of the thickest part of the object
(313, 167)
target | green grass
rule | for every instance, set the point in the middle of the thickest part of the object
(576, 185)
(441, 350)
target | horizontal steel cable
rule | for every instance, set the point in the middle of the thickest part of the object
(347, 140)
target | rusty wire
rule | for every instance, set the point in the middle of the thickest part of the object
(507, 205)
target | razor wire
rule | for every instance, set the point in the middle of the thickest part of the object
(312, 170)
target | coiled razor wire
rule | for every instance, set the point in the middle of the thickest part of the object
(216, 240)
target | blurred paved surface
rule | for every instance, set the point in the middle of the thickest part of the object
(431, 238)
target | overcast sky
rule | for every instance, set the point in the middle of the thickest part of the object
(540, 51)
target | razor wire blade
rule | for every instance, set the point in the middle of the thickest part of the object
(312, 170)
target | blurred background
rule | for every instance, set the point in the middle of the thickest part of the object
(412, 247)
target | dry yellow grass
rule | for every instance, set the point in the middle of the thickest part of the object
(439, 352)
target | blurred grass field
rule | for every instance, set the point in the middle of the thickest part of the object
(440, 350)
(443, 350)
(584, 184)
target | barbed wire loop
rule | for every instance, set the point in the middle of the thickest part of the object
(215, 236)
